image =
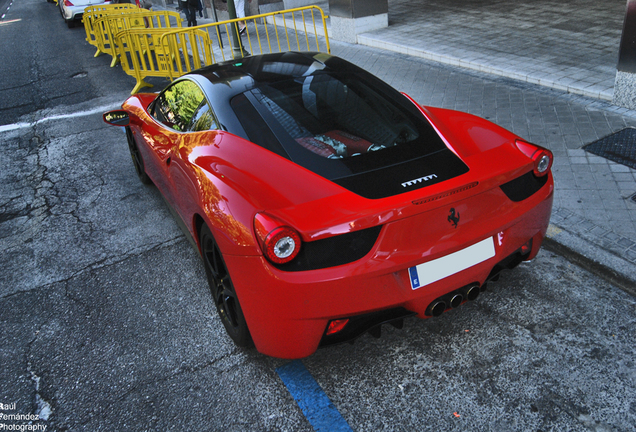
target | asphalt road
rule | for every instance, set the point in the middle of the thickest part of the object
(106, 322)
(45, 64)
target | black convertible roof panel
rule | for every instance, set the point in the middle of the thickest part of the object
(265, 68)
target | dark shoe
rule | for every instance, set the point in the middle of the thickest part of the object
(243, 30)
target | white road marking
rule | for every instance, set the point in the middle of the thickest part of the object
(101, 109)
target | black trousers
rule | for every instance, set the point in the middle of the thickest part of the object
(191, 15)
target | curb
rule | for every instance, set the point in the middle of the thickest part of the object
(598, 261)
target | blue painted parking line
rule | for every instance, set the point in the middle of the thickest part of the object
(313, 402)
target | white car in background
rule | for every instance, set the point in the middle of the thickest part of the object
(72, 10)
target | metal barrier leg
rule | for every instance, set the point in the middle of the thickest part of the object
(140, 84)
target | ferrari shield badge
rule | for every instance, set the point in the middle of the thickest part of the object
(453, 217)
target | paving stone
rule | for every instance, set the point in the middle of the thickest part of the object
(626, 187)
(623, 177)
(578, 160)
(625, 242)
(630, 255)
(587, 225)
(620, 168)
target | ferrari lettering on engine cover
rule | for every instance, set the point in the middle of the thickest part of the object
(419, 180)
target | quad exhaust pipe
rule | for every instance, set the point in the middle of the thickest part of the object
(452, 300)
(436, 308)
(456, 300)
(471, 292)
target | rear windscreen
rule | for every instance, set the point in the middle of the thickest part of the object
(350, 128)
(339, 119)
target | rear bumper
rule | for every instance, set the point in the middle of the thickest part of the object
(73, 12)
(77, 12)
(288, 312)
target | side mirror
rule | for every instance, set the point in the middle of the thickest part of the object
(117, 118)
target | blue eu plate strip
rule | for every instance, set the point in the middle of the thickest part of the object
(415, 280)
(313, 402)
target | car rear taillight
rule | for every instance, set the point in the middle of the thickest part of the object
(542, 157)
(280, 243)
(526, 248)
(68, 3)
(336, 326)
(542, 162)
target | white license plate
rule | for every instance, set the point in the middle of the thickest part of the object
(432, 271)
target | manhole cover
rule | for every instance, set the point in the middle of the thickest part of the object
(619, 147)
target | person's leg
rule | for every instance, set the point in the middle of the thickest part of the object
(240, 8)
(186, 12)
(240, 13)
(193, 15)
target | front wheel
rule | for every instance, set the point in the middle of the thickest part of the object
(138, 161)
(222, 290)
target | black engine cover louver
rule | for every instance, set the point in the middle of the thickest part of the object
(405, 176)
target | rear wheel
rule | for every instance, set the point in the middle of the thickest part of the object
(138, 161)
(222, 290)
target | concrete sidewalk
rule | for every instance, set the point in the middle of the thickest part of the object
(569, 45)
(547, 75)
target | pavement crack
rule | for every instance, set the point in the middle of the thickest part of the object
(180, 371)
(104, 263)
(41, 407)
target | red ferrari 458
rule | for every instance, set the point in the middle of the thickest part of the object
(325, 203)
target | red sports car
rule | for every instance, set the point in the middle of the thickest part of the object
(325, 203)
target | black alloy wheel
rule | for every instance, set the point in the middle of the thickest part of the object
(138, 161)
(222, 289)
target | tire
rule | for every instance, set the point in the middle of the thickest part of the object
(222, 290)
(70, 23)
(137, 159)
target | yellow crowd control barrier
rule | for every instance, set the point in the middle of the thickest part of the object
(287, 30)
(111, 24)
(158, 52)
(142, 55)
(92, 13)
